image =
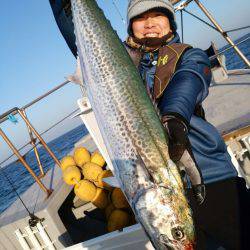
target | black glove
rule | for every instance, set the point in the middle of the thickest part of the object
(177, 130)
(180, 151)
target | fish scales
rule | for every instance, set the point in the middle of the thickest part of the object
(133, 134)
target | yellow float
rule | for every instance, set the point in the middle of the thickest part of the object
(67, 161)
(71, 175)
(85, 190)
(118, 199)
(81, 156)
(91, 171)
(97, 158)
(101, 198)
(118, 219)
(101, 183)
(109, 209)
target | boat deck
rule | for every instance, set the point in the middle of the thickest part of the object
(227, 106)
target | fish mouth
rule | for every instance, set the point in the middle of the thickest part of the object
(175, 244)
(189, 246)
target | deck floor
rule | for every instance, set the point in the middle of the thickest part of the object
(228, 104)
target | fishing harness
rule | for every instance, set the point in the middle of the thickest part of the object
(169, 57)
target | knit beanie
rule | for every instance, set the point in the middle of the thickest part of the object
(137, 7)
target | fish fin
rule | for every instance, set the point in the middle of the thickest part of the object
(152, 177)
(76, 77)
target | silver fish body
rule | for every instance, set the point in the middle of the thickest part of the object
(133, 134)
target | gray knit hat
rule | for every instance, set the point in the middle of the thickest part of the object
(137, 7)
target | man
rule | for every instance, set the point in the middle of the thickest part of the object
(177, 78)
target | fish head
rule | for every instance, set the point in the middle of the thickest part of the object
(177, 229)
(170, 219)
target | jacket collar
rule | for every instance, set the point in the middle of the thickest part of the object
(176, 39)
(147, 58)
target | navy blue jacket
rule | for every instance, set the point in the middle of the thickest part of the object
(188, 87)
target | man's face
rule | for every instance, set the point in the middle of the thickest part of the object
(151, 24)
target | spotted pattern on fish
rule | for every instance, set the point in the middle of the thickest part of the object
(133, 134)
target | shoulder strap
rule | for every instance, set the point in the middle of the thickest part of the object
(168, 58)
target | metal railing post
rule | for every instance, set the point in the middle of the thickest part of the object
(21, 112)
(32, 141)
(224, 34)
(21, 159)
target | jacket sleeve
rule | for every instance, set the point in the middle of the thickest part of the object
(188, 86)
(64, 22)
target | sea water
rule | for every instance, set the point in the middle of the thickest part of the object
(233, 61)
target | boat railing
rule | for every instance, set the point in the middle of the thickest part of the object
(215, 25)
(228, 48)
(35, 137)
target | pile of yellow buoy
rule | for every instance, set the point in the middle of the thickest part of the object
(85, 171)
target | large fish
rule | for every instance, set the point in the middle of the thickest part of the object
(132, 131)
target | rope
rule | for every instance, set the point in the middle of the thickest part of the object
(39, 189)
(241, 28)
(201, 20)
(14, 189)
(66, 117)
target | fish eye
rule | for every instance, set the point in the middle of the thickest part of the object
(177, 233)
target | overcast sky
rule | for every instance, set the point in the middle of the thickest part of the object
(35, 57)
